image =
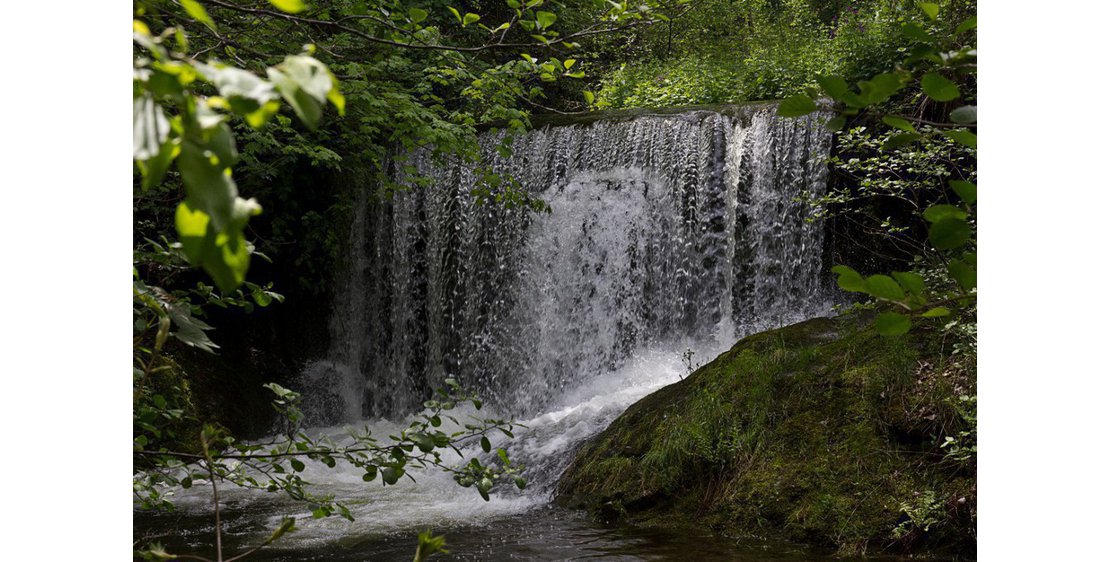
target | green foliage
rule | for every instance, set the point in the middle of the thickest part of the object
(950, 224)
(924, 511)
(962, 448)
(686, 81)
(731, 51)
(197, 138)
(429, 545)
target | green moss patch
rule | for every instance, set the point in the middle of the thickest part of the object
(821, 432)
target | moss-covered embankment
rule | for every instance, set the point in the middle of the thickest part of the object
(821, 432)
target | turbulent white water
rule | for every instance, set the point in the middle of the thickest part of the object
(435, 500)
(667, 233)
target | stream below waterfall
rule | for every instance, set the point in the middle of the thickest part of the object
(513, 525)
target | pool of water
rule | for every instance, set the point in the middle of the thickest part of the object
(542, 533)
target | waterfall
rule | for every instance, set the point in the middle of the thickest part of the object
(666, 232)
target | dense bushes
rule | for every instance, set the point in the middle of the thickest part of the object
(721, 52)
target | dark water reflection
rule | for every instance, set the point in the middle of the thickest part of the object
(548, 533)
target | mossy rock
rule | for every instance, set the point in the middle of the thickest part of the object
(822, 432)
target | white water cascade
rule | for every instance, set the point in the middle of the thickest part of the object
(670, 236)
(667, 232)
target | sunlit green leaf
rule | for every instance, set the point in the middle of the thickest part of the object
(197, 12)
(417, 15)
(470, 18)
(289, 6)
(930, 9)
(936, 312)
(154, 169)
(192, 228)
(545, 19)
(305, 83)
(248, 95)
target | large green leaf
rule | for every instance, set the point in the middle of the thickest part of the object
(966, 190)
(964, 115)
(879, 88)
(225, 254)
(189, 329)
(306, 84)
(939, 87)
(796, 106)
(154, 169)
(207, 185)
(963, 273)
(938, 212)
(913, 283)
(849, 279)
(545, 19)
(884, 287)
(192, 229)
(949, 232)
(835, 86)
(247, 94)
(892, 324)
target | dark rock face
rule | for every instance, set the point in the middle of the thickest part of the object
(821, 432)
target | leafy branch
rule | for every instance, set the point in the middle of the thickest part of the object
(935, 69)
